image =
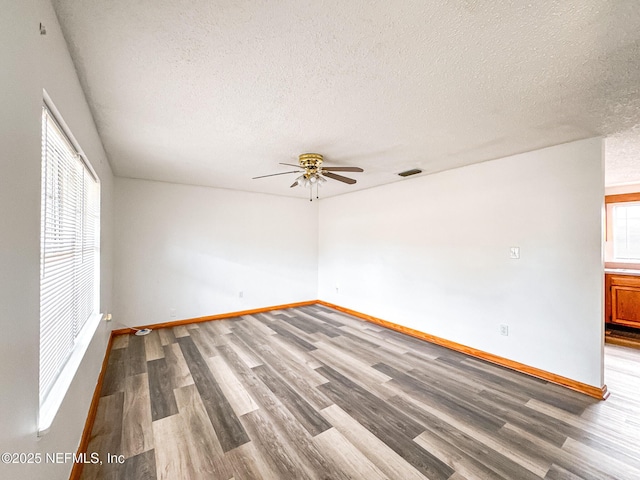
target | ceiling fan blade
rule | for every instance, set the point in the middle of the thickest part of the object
(274, 174)
(340, 178)
(294, 184)
(343, 169)
(290, 164)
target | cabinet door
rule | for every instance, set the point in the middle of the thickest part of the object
(625, 305)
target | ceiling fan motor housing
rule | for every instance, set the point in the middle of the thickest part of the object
(311, 163)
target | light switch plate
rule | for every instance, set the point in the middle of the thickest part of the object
(514, 252)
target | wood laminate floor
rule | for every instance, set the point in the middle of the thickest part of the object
(311, 393)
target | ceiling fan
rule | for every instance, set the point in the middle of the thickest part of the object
(313, 173)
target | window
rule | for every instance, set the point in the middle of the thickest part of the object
(622, 247)
(69, 263)
(626, 232)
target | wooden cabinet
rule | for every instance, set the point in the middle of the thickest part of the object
(622, 300)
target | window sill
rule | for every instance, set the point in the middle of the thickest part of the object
(49, 408)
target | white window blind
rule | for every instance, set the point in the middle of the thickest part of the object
(70, 247)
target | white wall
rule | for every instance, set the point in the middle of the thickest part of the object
(619, 189)
(193, 249)
(432, 253)
(31, 62)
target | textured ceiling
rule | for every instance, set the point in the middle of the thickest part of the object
(215, 92)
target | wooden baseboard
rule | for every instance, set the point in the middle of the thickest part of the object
(601, 393)
(76, 470)
(221, 316)
(623, 342)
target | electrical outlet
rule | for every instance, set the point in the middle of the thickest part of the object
(172, 312)
(504, 330)
(241, 294)
(514, 252)
(107, 317)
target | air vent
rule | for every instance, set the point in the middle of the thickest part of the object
(408, 173)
